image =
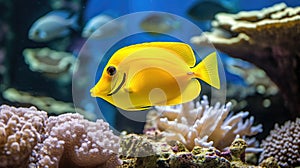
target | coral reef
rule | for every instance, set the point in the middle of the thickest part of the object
(73, 141)
(283, 144)
(269, 163)
(20, 130)
(135, 154)
(29, 138)
(54, 64)
(204, 125)
(48, 104)
(265, 38)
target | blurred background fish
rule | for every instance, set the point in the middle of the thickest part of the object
(159, 23)
(96, 28)
(204, 10)
(53, 25)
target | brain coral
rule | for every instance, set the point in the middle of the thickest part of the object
(283, 144)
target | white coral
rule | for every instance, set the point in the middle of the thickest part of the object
(204, 125)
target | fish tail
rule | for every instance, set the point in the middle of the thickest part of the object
(207, 70)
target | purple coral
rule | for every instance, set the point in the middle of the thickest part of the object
(283, 144)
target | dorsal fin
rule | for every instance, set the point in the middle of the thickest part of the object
(184, 51)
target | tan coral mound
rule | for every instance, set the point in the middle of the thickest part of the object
(267, 38)
(203, 125)
(20, 130)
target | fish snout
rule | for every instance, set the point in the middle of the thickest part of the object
(94, 92)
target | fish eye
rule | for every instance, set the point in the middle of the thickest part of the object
(111, 70)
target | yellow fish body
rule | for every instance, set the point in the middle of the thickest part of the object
(156, 73)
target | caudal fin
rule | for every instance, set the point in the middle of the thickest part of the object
(207, 70)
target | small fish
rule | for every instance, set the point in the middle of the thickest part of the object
(159, 23)
(152, 74)
(53, 25)
(96, 28)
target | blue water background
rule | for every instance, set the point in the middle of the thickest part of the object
(122, 7)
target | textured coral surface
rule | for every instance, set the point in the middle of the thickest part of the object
(20, 130)
(267, 38)
(29, 138)
(140, 151)
(283, 144)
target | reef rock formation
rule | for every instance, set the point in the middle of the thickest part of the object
(204, 125)
(266, 38)
(28, 138)
(283, 144)
(139, 151)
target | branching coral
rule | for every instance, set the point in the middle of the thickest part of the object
(204, 125)
(73, 141)
(265, 38)
(20, 130)
(283, 144)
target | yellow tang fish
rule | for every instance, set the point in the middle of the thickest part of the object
(157, 73)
